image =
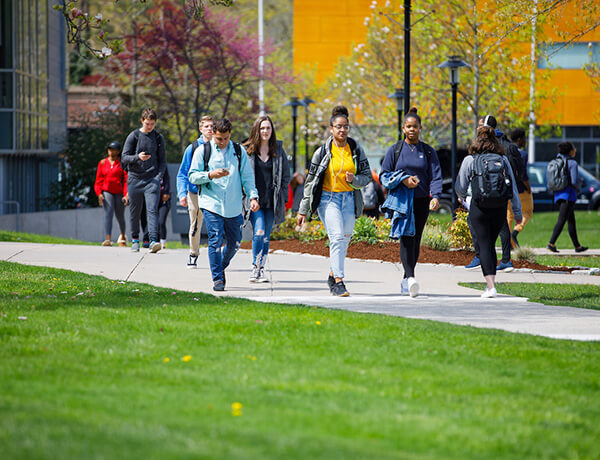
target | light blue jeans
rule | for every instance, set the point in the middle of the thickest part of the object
(262, 224)
(336, 211)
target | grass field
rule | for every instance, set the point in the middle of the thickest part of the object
(22, 237)
(92, 368)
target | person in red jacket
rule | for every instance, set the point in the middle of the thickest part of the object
(111, 189)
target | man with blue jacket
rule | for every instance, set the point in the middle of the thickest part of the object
(188, 192)
(220, 196)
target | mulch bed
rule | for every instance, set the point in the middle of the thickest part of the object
(390, 252)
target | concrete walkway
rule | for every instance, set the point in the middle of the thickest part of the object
(301, 279)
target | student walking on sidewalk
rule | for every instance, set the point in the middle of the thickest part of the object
(338, 170)
(111, 189)
(272, 178)
(417, 159)
(221, 169)
(566, 199)
(145, 159)
(487, 170)
(188, 192)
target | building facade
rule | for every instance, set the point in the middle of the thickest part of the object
(33, 101)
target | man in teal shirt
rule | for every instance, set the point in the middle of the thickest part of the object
(220, 197)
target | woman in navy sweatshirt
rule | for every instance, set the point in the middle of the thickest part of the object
(417, 159)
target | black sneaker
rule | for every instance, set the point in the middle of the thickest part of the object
(192, 261)
(330, 282)
(339, 290)
(146, 244)
(219, 285)
(581, 248)
(552, 247)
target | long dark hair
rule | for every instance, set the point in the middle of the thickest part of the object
(253, 143)
(486, 142)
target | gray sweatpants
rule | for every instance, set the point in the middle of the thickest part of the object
(138, 191)
(113, 205)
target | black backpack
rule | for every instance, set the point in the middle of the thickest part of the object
(491, 186)
(208, 151)
(557, 174)
(514, 158)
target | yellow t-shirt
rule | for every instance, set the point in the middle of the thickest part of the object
(340, 163)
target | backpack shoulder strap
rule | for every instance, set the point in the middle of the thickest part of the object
(207, 152)
(238, 153)
(397, 149)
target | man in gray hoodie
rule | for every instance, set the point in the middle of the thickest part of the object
(145, 160)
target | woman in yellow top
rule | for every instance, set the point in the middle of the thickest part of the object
(338, 170)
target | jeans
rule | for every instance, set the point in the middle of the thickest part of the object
(262, 224)
(140, 191)
(221, 229)
(336, 211)
(113, 205)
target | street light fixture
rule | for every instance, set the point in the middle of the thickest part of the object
(307, 101)
(454, 63)
(294, 103)
(398, 94)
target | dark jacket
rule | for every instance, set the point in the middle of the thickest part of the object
(281, 182)
(153, 144)
(313, 187)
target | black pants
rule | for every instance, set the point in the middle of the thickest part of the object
(485, 225)
(566, 212)
(410, 245)
(505, 239)
(163, 212)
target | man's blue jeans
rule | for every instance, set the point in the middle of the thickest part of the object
(262, 224)
(221, 229)
(336, 211)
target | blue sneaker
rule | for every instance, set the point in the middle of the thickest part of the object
(505, 267)
(474, 265)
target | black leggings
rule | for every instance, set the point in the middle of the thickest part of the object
(410, 245)
(485, 228)
(163, 211)
(566, 212)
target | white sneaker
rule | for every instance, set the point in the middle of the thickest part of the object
(261, 278)
(489, 293)
(413, 287)
(404, 288)
(253, 278)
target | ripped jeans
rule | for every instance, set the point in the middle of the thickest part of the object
(336, 211)
(262, 224)
(221, 229)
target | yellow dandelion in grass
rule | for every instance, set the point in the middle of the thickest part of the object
(236, 409)
(318, 323)
(166, 360)
(186, 358)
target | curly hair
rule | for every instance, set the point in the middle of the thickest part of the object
(486, 142)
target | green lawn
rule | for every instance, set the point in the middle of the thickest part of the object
(22, 237)
(98, 369)
(566, 295)
(566, 261)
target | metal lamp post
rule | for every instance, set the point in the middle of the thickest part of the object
(454, 63)
(294, 103)
(307, 101)
(398, 94)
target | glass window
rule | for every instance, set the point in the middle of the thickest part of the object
(536, 175)
(6, 128)
(6, 90)
(545, 151)
(5, 34)
(573, 56)
(591, 154)
(577, 131)
(596, 131)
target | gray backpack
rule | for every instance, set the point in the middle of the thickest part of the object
(369, 194)
(557, 174)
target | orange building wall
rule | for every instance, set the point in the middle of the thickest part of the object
(326, 30)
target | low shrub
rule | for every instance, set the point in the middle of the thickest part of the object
(523, 253)
(435, 236)
(459, 231)
(365, 230)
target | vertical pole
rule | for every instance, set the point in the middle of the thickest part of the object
(294, 117)
(306, 159)
(400, 122)
(453, 157)
(261, 59)
(531, 141)
(406, 55)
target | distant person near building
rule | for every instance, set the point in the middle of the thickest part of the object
(297, 184)
(145, 158)
(338, 170)
(164, 206)
(272, 178)
(223, 173)
(566, 198)
(188, 192)
(373, 196)
(519, 138)
(111, 188)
